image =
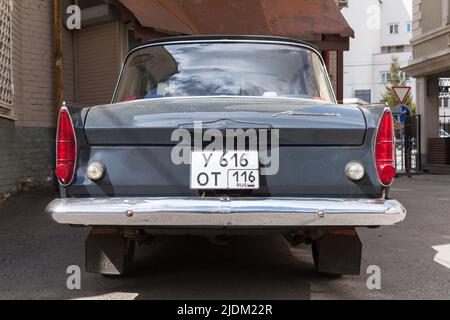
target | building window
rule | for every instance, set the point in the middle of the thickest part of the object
(6, 85)
(405, 77)
(393, 49)
(393, 28)
(365, 95)
(409, 27)
(385, 77)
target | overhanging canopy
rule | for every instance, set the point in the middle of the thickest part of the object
(307, 20)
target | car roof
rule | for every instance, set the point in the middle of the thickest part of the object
(231, 38)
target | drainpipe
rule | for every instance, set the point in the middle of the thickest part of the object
(340, 76)
(59, 95)
(75, 61)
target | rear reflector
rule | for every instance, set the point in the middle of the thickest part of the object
(385, 149)
(66, 149)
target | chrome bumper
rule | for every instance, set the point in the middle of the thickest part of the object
(226, 212)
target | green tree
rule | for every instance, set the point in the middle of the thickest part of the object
(396, 79)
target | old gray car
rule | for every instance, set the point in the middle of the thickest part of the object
(219, 136)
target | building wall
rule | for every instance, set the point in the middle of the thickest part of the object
(99, 58)
(92, 56)
(433, 46)
(27, 135)
(431, 60)
(431, 15)
(431, 29)
(382, 64)
(358, 61)
(366, 60)
(69, 57)
(26, 144)
(396, 11)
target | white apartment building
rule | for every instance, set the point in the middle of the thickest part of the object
(383, 29)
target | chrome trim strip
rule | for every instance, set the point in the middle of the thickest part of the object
(265, 99)
(226, 212)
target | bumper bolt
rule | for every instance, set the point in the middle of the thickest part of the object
(130, 213)
(321, 214)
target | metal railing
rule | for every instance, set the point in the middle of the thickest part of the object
(444, 126)
(407, 143)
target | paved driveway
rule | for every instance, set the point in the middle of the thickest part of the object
(35, 253)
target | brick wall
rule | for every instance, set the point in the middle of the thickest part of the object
(26, 145)
(26, 156)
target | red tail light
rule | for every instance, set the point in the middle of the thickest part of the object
(385, 149)
(66, 149)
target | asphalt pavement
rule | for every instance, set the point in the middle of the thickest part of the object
(35, 254)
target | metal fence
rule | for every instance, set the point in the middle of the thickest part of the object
(407, 143)
(444, 126)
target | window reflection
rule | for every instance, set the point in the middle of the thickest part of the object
(224, 69)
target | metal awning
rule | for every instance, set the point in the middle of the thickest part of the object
(306, 20)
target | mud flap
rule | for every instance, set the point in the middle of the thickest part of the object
(338, 253)
(108, 254)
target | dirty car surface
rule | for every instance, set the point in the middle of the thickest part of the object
(225, 135)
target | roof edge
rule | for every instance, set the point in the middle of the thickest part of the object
(226, 37)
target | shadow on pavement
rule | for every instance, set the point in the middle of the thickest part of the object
(36, 252)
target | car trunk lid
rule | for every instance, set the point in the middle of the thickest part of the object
(152, 122)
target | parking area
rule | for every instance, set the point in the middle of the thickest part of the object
(35, 253)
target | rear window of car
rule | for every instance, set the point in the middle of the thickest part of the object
(224, 69)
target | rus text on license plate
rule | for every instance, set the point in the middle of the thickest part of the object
(232, 170)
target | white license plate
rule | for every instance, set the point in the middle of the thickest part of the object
(233, 170)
